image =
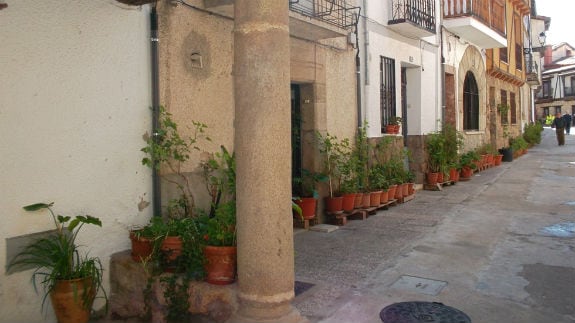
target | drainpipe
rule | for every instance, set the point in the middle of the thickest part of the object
(358, 74)
(156, 189)
(442, 70)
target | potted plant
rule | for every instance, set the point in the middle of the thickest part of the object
(337, 154)
(436, 158)
(218, 227)
(166, 152)
(393, 125)
(72, 279)
(307, 195)
(220, 251)
(467, 162)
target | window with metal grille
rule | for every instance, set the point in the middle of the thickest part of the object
(387, 90)
(513, 108)
(470, 103)
(504, 118)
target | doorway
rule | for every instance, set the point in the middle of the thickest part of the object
(296, 138)
(404, 104)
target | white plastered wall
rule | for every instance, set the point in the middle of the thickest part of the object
(421, 60)
(74, 104)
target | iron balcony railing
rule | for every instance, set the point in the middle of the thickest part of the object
(490, 12)
(531, 66)
(335, 12)
(419, 12)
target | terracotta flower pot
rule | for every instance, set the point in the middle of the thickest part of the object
(142, 247)
(220, 265)
(497, 159)
(412, 188)
(398, 192)
(384, 198)
(348, 202)
(375, 198)
(454, 174)
(391, 191)
(466, 172)
(365, 200)
(358, 203)
(334, 204)
(72, 300)
(171, 249)
(432, 178)
(307, 205)
(405, 189)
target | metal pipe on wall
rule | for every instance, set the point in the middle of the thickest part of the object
(156, 187)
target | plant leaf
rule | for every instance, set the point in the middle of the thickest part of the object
(37, 206)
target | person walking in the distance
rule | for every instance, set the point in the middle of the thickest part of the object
(567, 118)
(559, 125)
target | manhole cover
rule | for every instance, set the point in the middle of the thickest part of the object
(422, 312)
(561, 230)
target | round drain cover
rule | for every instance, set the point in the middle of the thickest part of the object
(422, 312)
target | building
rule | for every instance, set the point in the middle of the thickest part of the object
(399, 50)
(484, 69)
(557, 91)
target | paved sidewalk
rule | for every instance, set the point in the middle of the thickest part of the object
(486, 247)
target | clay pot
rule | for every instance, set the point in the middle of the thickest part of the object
(307, 205)
(72, 300)
(348, 202)
(220, 264)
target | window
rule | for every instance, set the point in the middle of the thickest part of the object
(387, 90)
(558, 109)
(546, 88)
(504, 119)
(518, 45)
(513, 108)
(503, 54)
(545, 111)
(470, 103)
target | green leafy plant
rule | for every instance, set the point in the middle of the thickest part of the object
(167, 150)
(220, 230)
(435, 146)
(177, 299)
(518, 143)
(220, 178)
(361, 154)
(395, 120)
(307, 183)
(337, 154)
(468, 159)
(57, 256)
(532, 133)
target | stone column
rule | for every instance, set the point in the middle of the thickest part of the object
(263, 155)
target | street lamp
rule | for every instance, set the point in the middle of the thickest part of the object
(542, 38)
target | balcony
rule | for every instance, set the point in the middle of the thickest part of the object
(531, 70)
(481, 22)
(321, 19)
(413, 18)
(309, 19)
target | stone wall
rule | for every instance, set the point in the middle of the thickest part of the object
(129, 281)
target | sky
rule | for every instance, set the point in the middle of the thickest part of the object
(562, 13)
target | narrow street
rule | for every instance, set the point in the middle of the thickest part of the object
(500, 247)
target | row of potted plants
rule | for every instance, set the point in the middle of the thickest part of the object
(357, 176)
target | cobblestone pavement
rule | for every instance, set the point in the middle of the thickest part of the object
(500, 246)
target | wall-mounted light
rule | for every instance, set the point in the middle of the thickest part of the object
(542, 38)
(196, 59)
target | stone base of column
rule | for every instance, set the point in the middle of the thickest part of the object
(292, 317)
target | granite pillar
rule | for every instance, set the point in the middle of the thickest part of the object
(263, 156)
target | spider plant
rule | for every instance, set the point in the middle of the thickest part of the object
(56, 257)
